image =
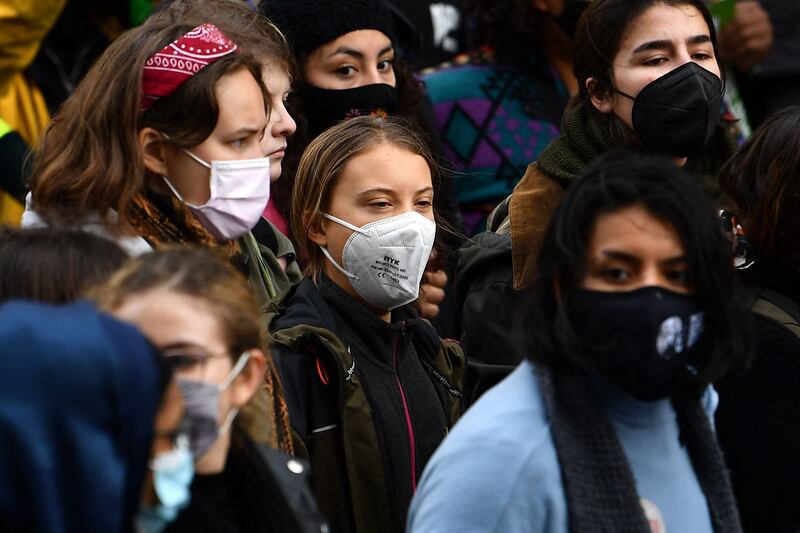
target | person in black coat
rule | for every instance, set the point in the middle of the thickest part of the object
(758, 419)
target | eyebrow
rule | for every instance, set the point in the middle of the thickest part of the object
(630, 258)
(180, 344)
(246, 130)
(666, 43)
(357, 54)
(390, 191)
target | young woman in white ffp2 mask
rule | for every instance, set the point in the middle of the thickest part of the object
(347, 334)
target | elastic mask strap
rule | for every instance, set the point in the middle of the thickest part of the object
(226, 426)
(202, 162)
(235, 371)
(624, 94)
(343, 223)
(327, 254)
(167, 137)
(173, 189)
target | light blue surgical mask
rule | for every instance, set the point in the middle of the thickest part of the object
(173, 472)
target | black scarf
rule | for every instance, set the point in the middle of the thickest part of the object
(598, 482)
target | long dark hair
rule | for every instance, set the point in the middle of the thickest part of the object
(763, 180)
(612, 182)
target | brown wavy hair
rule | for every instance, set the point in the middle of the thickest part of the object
(89, 161)
(247, 27)
(194, 272)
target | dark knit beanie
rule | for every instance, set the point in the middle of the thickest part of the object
(308, 24)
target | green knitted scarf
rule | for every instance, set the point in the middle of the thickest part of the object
(566, 157)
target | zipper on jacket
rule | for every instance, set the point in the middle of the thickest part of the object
(409, 426)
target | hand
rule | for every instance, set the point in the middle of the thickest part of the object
(748, 38)
(431, 293)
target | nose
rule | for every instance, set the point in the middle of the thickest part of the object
(653, 277)
(372, 76)
(284, 125)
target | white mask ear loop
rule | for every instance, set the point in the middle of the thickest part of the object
(173, 189)
(327, 254)
(166, 180)
(345, 224)
(235, 371)
(201, 161)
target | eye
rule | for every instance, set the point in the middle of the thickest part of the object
(345, 70)
(380, 204)
(702, 56)
(680, 276)
(655, 61)
(424, 203)
(238, 143)
(180, 362)
(615, 274)
(385, 65)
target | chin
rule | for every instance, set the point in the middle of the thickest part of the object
(275, 172)
(213, 461)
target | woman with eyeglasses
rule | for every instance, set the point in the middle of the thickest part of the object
(200, 313)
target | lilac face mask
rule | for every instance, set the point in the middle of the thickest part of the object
(239, 193)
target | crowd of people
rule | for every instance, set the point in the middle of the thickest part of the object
(273, 266)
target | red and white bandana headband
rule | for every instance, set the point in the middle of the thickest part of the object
(168, 69)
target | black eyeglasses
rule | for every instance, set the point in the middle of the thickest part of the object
(185, 359)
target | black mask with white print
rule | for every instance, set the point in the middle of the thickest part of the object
(642, 340)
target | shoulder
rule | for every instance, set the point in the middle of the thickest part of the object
(480, 478)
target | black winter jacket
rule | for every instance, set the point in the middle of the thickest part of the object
(369, 401)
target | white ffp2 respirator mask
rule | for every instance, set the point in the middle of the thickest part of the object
(385, 260)
(239, 193)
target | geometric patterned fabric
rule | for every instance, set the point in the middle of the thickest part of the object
(493, 121)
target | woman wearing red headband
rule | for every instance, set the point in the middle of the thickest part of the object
(160, 144)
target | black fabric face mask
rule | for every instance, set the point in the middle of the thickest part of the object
(678, 113)
(324, 108)
(643, 341)
(568, 19)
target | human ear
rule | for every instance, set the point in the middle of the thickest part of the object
(316, 228)
(154, 151)
(247, 383)
(600, 100)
